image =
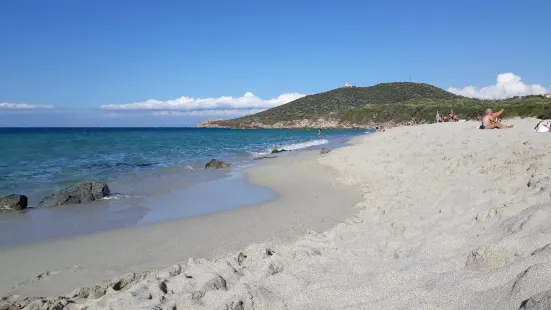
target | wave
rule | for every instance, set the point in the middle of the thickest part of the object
(292, 147)
(116, 196)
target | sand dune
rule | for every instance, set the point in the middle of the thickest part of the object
(452, 218)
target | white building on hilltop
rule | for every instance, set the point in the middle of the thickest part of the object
(548, 95)
(347, 85)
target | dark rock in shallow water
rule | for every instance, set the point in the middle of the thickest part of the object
(217, 164)
(325, 151)
(274, 151)
(81, 193)
(13, 202)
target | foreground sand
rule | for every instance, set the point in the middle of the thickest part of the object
(452, 218)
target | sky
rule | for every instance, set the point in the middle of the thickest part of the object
(175, 63)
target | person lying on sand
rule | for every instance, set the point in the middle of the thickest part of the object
(489, 120)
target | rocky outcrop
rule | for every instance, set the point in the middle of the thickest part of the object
(84, 192)
(211, 123)
(13, 202)
(295, 124)
(217, 164)
(275, 151)
(325, 150)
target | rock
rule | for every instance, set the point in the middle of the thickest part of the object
(84, 192)
(539, 301)
(325, 151)
(264, 157)
(13, 202)
(274, 151)
(217, 164)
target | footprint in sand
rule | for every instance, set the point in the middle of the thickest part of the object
(46, 275)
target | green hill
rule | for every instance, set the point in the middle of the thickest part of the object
(366, 106)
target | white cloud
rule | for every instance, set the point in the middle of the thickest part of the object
(233, 113)
(508, 85)
(24, 106)
(247, 101)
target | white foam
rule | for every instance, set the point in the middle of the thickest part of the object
(292, 147)
(303, 145)
(116, 197)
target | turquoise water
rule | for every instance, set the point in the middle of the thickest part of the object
(38, 161)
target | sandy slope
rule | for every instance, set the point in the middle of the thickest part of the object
(452, 218)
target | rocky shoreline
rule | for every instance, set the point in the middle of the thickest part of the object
(80, 193)
(83, 192)
(298, 124)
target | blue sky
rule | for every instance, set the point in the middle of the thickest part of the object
(97, 63)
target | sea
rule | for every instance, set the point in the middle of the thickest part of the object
(150, 171)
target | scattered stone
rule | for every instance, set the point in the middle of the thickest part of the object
(84, 192)
(13, 202)
(217, 164)
(264, 157)
(275, 151)
(325, 151)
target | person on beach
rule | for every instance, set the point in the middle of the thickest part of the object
(319, 132)
(489, 120)
(453, 117)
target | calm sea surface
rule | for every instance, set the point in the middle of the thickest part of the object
(38, 161)
(155, 174)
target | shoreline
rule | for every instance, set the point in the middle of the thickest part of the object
(153, 199)
(92, 258)
(452, 217)
(177, 154)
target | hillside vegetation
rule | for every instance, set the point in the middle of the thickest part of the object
(400, 102)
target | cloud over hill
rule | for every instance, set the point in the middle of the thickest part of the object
(507, 85)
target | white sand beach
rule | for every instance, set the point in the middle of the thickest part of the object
(441, 216)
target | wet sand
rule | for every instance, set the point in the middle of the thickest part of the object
(56, 267)
(41, 224)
